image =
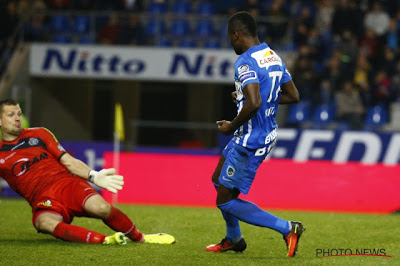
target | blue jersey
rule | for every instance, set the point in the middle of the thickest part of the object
(260, 64)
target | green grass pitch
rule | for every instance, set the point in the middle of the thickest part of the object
(195, 228)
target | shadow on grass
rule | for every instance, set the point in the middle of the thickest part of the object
(42, 242)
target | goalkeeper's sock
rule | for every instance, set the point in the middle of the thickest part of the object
(75, 233)
(120, 222)
(250, 213)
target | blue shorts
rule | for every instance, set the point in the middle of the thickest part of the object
(241, 165)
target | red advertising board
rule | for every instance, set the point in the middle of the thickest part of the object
(172, 179)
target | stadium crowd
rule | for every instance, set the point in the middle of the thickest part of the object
(347, 51)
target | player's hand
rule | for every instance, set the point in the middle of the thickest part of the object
(225, 127)
(234, 96)
(107, 179)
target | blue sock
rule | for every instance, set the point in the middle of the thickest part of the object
(250, 213)
(233, 232)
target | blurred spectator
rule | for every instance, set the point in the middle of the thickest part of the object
(389, 61)
(133, 32)
(252, 6)
(383, 91)
(303, 25)
(349, 51)
(35, 30)
(305, 17)
(369, 44)
(39, 5)
(347, 16)
(361, 78)
(377, 19)
(316, 45)
(325, 92)
(23, 8)
(305, 75)
(349, 107)
(332, 70)
(392, 36)
(324, 15)
(134, 5)
(109, 33)
(300, 35)
(348, 45)
(277, 22)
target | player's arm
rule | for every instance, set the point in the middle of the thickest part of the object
(253, 102)
(105, 178)
(289, 93)
(75, 166)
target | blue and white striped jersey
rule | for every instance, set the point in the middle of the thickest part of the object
(260, 64)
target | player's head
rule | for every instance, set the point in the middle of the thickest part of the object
(241, 25)
(10, 119)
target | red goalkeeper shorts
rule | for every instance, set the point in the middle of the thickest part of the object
(67, 198)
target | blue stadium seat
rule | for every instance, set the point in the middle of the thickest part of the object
(62, 38)
(81, 24)
(205, 28)
(155, 27)
(163, 42)
(187, 43)
(376, 117)
(86, 39)
(205, 8)
(59, 23)
(299, 113)
(157, 8)
(182, 7)
(323, 115)
(212, 44)
(180, 28)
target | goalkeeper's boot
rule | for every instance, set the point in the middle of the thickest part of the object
(117, 238)
(160, 238)
(226, 245)
(293, 237)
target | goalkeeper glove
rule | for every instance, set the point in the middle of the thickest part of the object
(107, 179)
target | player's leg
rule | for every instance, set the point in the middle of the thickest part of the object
(233, 232)
(97, 207)
(238, 172)
(233, 240)
(243, 164)
(52, 223)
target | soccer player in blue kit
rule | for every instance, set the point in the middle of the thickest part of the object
(262, 83)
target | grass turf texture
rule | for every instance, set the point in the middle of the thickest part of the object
(194, 229)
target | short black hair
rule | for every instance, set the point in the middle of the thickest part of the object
(7, 102)
(243, 21)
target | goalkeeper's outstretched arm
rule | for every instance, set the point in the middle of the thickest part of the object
(105, 178)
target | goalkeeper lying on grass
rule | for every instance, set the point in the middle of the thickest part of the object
(36, 166)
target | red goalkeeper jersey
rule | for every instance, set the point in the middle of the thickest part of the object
(30, 164)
